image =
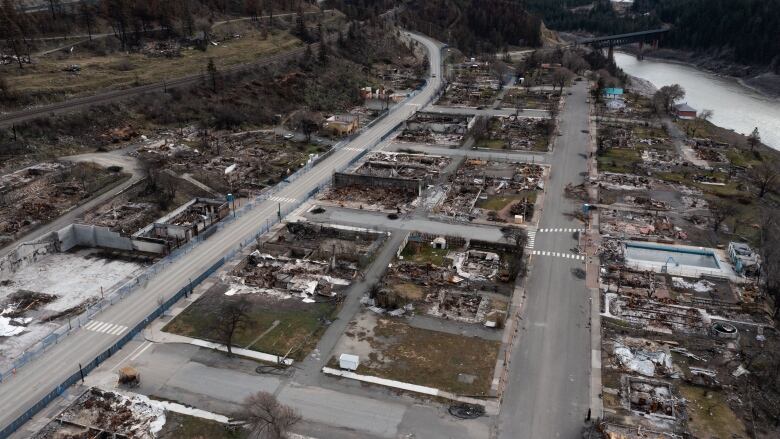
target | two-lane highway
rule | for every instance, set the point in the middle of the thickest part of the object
(31, 383)
(548, 391)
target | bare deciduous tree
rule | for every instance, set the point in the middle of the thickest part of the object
(233, 315)
(764, 177)
(16, 30)
(720, 210)
(754, 139)
(265, 417)
(562, 77)
(706, 114)
(665, 98)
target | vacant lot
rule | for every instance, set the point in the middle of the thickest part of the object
(48, 79)
(275, 326)
(390, 348)
(183, 426)
(710, 415)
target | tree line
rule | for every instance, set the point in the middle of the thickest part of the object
(745, 31)
(589, 16)
(128, 20)
(748, 31)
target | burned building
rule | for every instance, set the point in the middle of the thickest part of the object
(188, 221)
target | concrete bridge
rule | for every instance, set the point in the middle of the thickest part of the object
(608, 42)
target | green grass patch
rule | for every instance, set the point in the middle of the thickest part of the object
(710, 415)
(498, 202)
(454, 363)
(120, 70)
(299, 328)
(184, 426)
(423, 253)
(742, 158)
(491, 143)
(619, 160)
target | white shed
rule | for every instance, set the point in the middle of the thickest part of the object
(439, 242)
(349, 362)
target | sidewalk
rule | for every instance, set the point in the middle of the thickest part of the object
(592, 243)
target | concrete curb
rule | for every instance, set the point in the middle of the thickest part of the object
(491, 407)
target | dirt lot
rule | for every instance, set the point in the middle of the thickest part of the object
(392, 349)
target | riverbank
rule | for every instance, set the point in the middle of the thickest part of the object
(760, 80)
(707, 129)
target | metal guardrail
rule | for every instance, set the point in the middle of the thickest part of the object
(143, 279)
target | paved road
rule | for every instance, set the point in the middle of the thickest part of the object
(33, 381)
(548, 391)
(362, 218)
(114, 158)
(473, 111)
(520, 156)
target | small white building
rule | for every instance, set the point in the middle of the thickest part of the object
(349, 362)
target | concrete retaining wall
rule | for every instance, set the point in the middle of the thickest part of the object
(25, 253)
(95, 236)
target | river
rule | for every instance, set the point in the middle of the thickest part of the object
(735, 106)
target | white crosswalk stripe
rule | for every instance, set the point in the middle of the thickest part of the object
(559, 230)
(104, 327)
(282, 199)
(531, 239)
(352, 148)
(558, 255)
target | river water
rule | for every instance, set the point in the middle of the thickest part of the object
(735, 106)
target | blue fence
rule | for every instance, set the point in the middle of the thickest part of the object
(86, 368)
(152, 271)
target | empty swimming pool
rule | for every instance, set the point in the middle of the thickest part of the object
(675, 256)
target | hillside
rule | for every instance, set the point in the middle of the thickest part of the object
(473, 26)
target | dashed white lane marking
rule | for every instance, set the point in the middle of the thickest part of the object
(105, 328)
(531, 239)
(559, 230)
(283, 199)
(558, 255)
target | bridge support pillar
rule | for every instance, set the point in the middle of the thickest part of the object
(611, 53)
(641, 55)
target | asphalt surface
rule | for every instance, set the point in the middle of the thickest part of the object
(548, 390)
(115, 158)
(379, 220)
(473, 111)
(520, 156)
(38, 378)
